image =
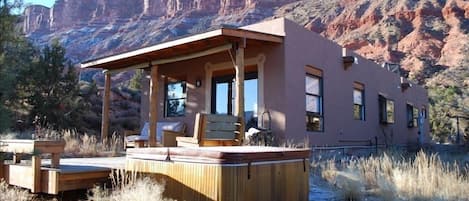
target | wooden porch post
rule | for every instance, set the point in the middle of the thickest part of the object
(106, 102)
(1, 165)
(36, 167)
(153, 105)
(239, 98)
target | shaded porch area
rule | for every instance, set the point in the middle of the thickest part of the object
(192, 66)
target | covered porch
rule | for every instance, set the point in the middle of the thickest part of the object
(209, 68)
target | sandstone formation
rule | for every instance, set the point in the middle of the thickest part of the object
(423, 36)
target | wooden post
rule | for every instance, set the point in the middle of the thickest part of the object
(1, 166)
(153, 105)
(239, 98)
(16, 158)
(36, 170)
(106, 102)
(55, 160)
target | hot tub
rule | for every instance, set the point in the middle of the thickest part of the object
(240, 173)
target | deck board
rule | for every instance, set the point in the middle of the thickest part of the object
(89, 164)
(72, 174)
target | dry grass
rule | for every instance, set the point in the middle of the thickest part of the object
(424, 177)
(12, 193)
(84, 145)
(76, 144)
(128, 186)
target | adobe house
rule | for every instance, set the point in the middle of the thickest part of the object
(311, 87)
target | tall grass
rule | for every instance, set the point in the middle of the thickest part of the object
(424, 177)
(13, 193)
(129, 186)
(84, 145)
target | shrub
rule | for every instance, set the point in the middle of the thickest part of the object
(13, 193)
(127, 186)
(84, 145)
(425, 177)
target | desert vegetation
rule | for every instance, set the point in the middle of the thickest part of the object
(395, 177)
(8, 193)
(129, 186)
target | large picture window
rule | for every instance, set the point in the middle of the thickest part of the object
(175, 103)
(386, 110)
(314, 102)
(358, 101)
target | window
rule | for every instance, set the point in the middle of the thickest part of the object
(424, 112)
(175, 103)
(386, 110)
(358, 101)
(410, 116)
(415, 116)
(314, 102)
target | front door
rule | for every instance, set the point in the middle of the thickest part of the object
(223, 96)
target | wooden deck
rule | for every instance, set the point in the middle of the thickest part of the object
(72, 174)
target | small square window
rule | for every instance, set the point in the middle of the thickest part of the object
(313, 122)
(313, 104)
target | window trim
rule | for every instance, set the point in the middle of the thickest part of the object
(315, 73)
(167, 99)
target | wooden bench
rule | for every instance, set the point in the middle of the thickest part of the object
(138, 139)
(36, 148)
(214, 130)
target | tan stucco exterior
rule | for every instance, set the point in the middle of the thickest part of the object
(283, 89)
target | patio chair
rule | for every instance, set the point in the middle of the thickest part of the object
(166, 133)
(214, 130)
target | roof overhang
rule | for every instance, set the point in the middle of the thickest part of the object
(186, 48)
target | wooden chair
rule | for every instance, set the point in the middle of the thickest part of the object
(166, 130)
(214, 130)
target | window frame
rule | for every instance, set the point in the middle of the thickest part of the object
(167, 99)
(360, 88)
(316, 74)
(410, 115)
(383, 104)
(415, 114)
(424, 112)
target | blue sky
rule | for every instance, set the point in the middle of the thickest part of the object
(47, 3)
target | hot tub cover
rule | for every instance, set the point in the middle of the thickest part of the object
(219, 155)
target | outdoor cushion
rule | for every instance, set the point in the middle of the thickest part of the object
(160, 126)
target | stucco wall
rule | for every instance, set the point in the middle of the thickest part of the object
(303, 48)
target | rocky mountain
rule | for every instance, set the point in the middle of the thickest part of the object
(424, 36)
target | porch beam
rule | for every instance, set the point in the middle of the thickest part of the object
(178, 58)
(193, 55)
(153, 105)
(106, 104)
(239, 82)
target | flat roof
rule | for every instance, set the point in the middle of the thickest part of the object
(182, 46)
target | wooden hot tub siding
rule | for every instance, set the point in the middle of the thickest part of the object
(265, 180)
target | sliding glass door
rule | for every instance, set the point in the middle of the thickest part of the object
(223, 96)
